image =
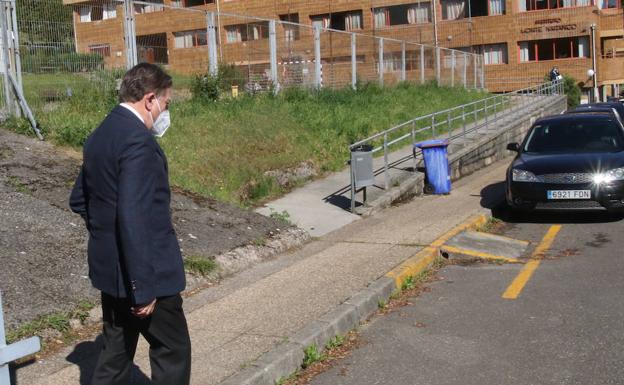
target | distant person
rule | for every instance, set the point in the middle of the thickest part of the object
(123, 195)
(555, 75)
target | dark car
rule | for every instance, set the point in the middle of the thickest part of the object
(569, 161)
(619, 107)
(590, 109)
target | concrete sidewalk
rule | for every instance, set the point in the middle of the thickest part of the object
(258, 310)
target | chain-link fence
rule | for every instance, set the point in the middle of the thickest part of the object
(68, 47)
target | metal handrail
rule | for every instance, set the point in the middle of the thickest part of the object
(480, 109)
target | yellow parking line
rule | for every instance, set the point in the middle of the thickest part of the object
(479, 254)
(514, 290)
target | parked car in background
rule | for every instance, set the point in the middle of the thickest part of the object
(569, 161)
(590, 109)
(619, 107)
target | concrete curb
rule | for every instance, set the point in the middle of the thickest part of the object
(287, 358)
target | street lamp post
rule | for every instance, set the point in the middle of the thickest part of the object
(593, 70)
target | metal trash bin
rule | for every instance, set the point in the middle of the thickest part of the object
(362, 166)
(437, 169)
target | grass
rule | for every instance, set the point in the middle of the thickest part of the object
(199, 265)
(223, 149)
(311, 355)
(58, 321)
(17, 184)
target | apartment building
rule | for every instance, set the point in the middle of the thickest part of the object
(521, 40)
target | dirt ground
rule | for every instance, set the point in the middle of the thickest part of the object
(43, 244)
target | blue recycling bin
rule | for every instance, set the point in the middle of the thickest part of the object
(437, 169)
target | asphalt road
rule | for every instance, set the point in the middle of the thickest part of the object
(565, 326)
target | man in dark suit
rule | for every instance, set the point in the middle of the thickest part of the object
(123, 195)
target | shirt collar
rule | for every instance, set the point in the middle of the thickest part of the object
(133, 110)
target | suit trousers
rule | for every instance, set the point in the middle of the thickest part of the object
(166, 332)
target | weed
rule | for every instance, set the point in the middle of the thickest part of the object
(489, 226)
(381, 304)
(17, 184)
(312, 355)
(199, 265)
(259, 242)
(396, 294)
(58, 321)
(408, 283)
(335, 342)
(283, 216)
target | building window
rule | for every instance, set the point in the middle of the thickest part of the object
(493, 53)
(603, 4)
(291, 32)
(195, 3)
(97, 12)
(157, 6)
(247, 32)
(552, 49)
(453, 9)
(417, 13)
(102, 49)
(189, 39)
(153, 49)
(536, 5)
(459, 9)
(343, 21)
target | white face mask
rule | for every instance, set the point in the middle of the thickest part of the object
(162, 123)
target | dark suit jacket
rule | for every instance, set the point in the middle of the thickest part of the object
(123, 194)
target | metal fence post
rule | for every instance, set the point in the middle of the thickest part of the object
(453, 68)
(5, 58)
(464, 123)
(437, 64)
(353, 61)
(482, 72)
(317, 56)
(213, 65)
(485, 106)
(433, 125)
(403, 64)
(474, 67)
(16, 48)
(386, 166)
(465, 70)
(450, 124)
(422, 64)
(130, 34)
(273, 55)
(352, 184)
(414, 142)
(381, 61)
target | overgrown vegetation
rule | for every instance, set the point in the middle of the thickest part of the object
(224, 149)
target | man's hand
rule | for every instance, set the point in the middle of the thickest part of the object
(143, 311)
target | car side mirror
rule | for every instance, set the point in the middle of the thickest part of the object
(515, 147)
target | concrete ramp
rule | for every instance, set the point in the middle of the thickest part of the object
(471, 245)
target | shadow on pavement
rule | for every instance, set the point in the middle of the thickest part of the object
(85, 356)
(493, 198)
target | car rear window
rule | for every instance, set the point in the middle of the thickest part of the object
(570, 136)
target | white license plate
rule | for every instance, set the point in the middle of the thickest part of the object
(569, 194)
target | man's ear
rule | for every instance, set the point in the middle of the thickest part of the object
(150, 100)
